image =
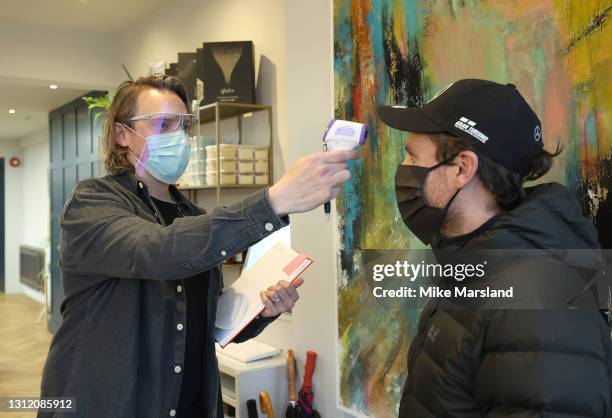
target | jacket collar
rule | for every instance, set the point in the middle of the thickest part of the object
(129, 180)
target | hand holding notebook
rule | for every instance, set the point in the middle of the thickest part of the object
(280, 297)
(242, 301)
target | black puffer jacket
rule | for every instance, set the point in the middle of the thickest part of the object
(516, 362)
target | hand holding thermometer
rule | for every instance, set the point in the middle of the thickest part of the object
(342, 135)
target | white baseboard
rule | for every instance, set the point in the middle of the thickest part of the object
(33, 294)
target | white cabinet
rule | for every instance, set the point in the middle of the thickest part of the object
(243, 381)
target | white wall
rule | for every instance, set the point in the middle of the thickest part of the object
(12, 214)
(35, 201)
(26, 197)
(310, 98)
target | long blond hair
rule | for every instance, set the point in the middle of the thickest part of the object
(123, 107)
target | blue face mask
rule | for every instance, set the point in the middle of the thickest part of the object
(168, 155)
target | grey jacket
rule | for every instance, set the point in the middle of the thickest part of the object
(118, 347)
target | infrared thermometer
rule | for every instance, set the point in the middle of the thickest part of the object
(342, 135)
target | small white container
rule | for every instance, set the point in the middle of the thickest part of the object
(227, 164)
(200, 180)
(183, 181)
(261, 153)
(262, 167)
(211, 178)
(245, 167)
(199, 167)
(228, 151)
(248, 178)
(194, 154)
(191, 181)
(246, 152)
(227, 177)
(261, 178)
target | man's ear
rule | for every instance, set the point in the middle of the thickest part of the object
(120, 134)
(467, 162)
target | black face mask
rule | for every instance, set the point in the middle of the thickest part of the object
(424, 221)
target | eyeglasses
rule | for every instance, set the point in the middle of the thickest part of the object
(166, 122)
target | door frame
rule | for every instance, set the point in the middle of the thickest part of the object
(2, 229)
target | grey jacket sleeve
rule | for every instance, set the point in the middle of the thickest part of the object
(254, 328)
(103, 235)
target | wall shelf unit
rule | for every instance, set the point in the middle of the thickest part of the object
(217, 112)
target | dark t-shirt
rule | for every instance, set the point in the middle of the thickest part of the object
(196, 289)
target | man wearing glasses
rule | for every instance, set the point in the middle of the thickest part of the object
(140, 264)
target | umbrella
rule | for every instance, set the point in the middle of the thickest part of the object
(252, 408)
(293, 410)
(306, 396)
(266, 404)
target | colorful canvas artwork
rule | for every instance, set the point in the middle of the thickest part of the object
(557, 52)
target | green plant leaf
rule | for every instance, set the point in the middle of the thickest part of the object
(103, 103)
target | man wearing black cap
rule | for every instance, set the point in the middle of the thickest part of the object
(460, 188)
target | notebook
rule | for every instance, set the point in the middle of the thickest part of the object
(241, 303)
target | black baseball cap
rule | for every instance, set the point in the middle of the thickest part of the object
(494, 116)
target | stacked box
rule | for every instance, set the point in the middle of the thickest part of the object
(246, 154)
(194, 173)
(261, 165)
(227, 164)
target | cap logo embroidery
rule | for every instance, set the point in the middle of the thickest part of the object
(467, 126)
(537, 134)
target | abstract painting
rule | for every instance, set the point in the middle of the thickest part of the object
(559, 55)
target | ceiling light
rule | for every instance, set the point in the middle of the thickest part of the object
(11, 111)
(53, 86)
